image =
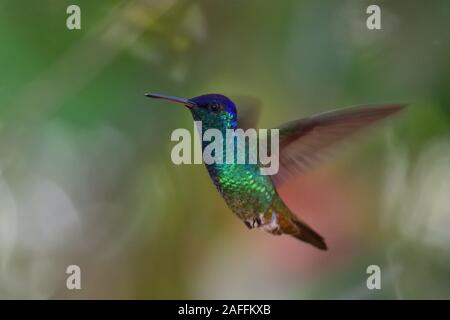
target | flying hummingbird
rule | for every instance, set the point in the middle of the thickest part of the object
(252, 196)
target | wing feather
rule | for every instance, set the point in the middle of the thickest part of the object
(306, 142)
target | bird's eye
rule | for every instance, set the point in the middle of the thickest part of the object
(214, 107)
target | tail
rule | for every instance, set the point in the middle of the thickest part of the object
(305, 233)
(279, 219)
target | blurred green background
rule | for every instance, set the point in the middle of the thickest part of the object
(85, 170)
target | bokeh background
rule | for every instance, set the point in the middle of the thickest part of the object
(85, 170)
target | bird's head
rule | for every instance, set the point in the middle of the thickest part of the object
(214, 110)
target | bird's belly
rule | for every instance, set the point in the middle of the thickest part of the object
(244, 189)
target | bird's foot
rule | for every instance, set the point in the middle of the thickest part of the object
(253, 222)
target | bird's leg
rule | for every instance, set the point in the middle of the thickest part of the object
(257, 222)
(248, 224)
(253, 222)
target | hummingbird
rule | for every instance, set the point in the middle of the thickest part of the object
(303, 143)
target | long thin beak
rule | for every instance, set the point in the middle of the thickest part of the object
(188, 103)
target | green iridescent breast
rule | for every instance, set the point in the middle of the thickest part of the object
(244, 189)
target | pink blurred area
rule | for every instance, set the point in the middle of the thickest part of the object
(331, 203)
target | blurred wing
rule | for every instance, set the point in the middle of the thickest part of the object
(249, 110)
(305, 142)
